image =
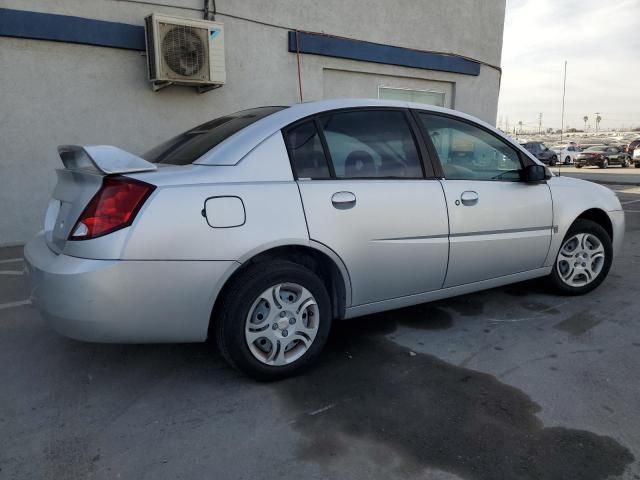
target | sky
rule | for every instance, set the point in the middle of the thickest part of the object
(599, 39)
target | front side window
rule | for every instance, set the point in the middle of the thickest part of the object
(305, 149)
(371, 144)
(467, 152)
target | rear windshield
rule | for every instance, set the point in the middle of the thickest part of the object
(192, 144)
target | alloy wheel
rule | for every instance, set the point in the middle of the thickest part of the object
(282, 324)
(580, 260)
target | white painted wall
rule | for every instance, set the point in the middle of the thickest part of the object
(55, 93)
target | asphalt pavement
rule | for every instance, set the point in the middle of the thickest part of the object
(514, 383)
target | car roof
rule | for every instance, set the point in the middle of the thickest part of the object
(234, 148)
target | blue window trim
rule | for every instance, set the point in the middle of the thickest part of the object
(327, 45)
(70, 29)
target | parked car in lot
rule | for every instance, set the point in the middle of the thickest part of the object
(602, 156)
(566, 153)
(542, 152)
(633, 145)
(261, 228)
(636, 157)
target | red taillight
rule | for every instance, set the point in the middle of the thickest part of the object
(113, 207)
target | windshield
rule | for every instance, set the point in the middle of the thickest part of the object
(596, 148)
(192, 144)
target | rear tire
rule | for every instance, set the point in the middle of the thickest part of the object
(284, 349)
(552, 161)
(604, 164)
(583, 262)
(578, 166)
(567, 161)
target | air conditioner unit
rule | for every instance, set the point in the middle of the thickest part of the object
(184, 51)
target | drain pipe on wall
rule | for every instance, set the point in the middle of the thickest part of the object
(209, 14)
(298, 60)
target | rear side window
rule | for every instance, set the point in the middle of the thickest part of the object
(192, 144)
(306, 152)
(371, 144)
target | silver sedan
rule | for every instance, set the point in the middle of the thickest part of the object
(262, 227)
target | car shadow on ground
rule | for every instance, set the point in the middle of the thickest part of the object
(422, 411)
(434, 414)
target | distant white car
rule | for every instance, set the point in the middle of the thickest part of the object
(636, 157)
(566, 153)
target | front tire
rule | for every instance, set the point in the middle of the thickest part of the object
(552, 161)
(567, 161)
(604, 164)
(584, 259)
(274, 320)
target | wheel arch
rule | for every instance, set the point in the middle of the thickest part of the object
(312, 255)
(599, 216)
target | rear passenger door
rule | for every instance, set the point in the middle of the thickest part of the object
(365, 196)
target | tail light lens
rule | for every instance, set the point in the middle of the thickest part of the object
(113, 207)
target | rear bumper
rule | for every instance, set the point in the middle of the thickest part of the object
(116, 301)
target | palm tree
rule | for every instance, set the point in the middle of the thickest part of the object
(520, 125)
(586, 119)
(598, 118)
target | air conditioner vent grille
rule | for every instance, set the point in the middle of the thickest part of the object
(184, 50)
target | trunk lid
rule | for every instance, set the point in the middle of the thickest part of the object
(79, 181)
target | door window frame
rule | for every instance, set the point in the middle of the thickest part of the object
(427, 163)
(525, 161)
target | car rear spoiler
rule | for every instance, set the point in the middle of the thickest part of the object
(104, 158)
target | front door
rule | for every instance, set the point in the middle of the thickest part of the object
(367, 199)
(499, 225)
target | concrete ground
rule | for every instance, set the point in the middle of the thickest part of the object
(510, 383)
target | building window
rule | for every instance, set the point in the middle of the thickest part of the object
(428, 97)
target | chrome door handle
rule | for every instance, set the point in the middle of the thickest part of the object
(343, 200)
(469, 198)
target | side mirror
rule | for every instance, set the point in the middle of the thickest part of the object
(534, 174)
